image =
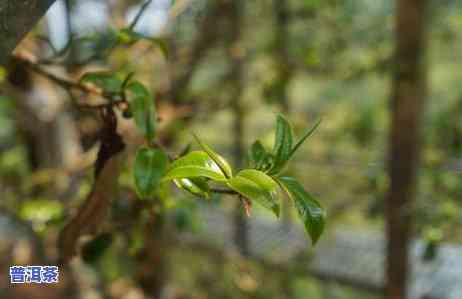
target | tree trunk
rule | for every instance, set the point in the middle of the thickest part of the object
(406, 111)
(235, 52)
(152, 272)
(17, 17)
(207, 37)
(284, 75)
(281, 10)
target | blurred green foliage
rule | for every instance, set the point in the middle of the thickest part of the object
(339, 54)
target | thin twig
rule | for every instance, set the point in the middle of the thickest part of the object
(139, 15)
(164, 149)
(223, 191)
(70, 85)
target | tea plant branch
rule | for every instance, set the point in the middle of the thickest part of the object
(17, 18)
(139, 15)
(70, 85)
(223, 191)
(108, 165)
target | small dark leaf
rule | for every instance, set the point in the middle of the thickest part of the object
(257, 153)
(93, 250)
(143, 108)
(127, 114)
(308, 208)
(282, 144)
(433, 238)
(259, 157)
(150, 166)
(108, 81)
(430, 251)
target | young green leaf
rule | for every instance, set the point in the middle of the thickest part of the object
(95, 249)
(308, 208)
(267, 162)
(127, 79)
(257, 153)
(108, 81)
(150, 166)
(195, 186)
(127, 36)
(143, 108)
(282, 144)
(194, 172)
(138, 89)
(219, 160)
(305, 136)
(259, 157)
(256, 186)
(193, 165)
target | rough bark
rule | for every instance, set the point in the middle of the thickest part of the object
(406, 110)
(17, 18)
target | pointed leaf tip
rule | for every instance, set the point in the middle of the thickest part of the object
(304, 137)
(143, 109)
(219, 160)
(282, 144)
(196, 164)
(309, 210)
(150, 166)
